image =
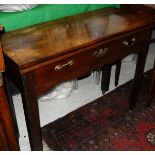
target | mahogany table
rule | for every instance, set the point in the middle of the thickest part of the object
(39, 57)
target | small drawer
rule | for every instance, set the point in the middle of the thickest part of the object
(66, 69)
(134, 41)
(121, 47)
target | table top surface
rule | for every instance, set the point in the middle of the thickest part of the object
(42, 42)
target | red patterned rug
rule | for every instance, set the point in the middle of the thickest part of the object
(106, 124)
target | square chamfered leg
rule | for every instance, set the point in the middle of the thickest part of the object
(106, 72)
(117, 72)
(152, 87)
(138, 78)
(31, 111)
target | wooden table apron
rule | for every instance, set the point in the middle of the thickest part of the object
(36, 78)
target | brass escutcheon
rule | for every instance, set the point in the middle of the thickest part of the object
(101, 52)
(129, 43)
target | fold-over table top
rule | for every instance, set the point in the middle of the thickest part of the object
(42, 42)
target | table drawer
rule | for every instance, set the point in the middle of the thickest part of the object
(66, 69)
(82, 62)
(120, 48)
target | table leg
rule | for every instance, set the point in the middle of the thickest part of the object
(31, 111)
(106, 72)
(138, 78)
(117, 72)
(152, 87)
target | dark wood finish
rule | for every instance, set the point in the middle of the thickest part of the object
(8, 138)
(39, 57)
(152, 87)
(117, 72)
(145, 10)
(82, 57)
(152, 40)
(10, 103)
(31, 111)
(138, 75)
(148, 11)
(106, 72)
(50, 40)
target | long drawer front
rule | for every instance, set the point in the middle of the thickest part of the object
(88, 59)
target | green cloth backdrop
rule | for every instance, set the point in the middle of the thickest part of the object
(45, 12)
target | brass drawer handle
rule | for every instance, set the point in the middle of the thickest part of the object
(129, 43)
(59, 67)
(101, 52)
